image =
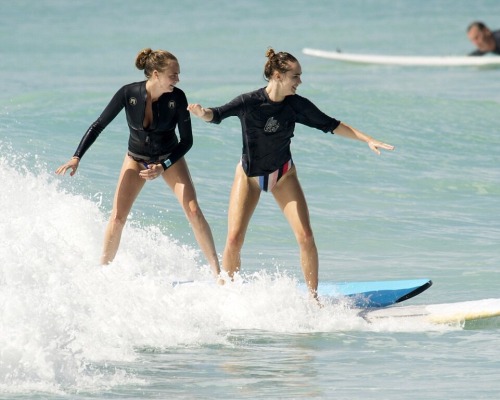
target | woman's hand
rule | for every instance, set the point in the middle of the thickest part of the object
(206, 114)
(151, 171)
(375, 145)
(73, 164)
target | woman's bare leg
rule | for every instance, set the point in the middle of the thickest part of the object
(179, 180)
(290, 197)
(245, 195)
(128, 188)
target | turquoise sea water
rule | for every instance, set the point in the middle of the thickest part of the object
(72, 329)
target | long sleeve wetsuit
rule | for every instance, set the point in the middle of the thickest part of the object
(157, 142)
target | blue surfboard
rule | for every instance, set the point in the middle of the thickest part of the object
(371, 294)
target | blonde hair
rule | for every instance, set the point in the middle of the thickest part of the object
(150, 60)
(277, 62)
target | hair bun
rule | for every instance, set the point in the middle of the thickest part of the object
(270, 52)
(142, 57)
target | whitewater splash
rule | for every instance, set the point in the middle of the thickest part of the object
(61, 313)
(65, 320)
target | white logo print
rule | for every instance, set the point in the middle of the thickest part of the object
(171, 104)
(132, 101)
(271, 125)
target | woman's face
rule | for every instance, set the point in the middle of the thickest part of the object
(169, 77)
(290, 80)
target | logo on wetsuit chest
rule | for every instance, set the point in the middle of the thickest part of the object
(132, 101)
(272, 125)
(171, 104)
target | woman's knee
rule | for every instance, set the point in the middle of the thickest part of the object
(193, 212)
(118, 220)
(306, 239)
(235, 240)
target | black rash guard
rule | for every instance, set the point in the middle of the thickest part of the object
(267, 127)
(496, 36)
(158, 141)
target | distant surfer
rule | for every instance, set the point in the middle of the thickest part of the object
(154, 107)
(483, 38)
(268, 116)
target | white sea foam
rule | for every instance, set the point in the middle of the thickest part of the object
(64, 317)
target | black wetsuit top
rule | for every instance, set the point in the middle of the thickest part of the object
(496, 36)
(158, 141)
(267, 127)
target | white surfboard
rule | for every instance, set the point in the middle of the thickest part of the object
(446, 313)
(405, 60)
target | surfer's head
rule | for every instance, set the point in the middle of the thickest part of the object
(480, 35)
(159, 66)
(280, 62)
(283, 69)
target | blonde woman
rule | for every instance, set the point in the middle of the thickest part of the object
(154, 108)
(268, 117)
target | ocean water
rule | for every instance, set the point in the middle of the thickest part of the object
(70, 329)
